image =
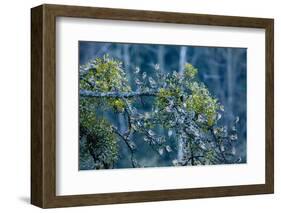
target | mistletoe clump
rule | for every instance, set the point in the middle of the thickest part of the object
(99, 140)
(202, 103)
(105, 75)
(183, 116)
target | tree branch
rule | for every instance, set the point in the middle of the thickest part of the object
(127, 142)
(88, 93)
(218, 145)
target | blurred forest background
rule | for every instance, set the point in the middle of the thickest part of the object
(221, 69)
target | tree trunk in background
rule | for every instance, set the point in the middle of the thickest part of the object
(230, 82)
(182, 61)
(182, 58)
(161, 57)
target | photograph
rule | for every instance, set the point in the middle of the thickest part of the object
(161, 105)
(140, 105)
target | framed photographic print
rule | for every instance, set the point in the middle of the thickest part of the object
(136, 106)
